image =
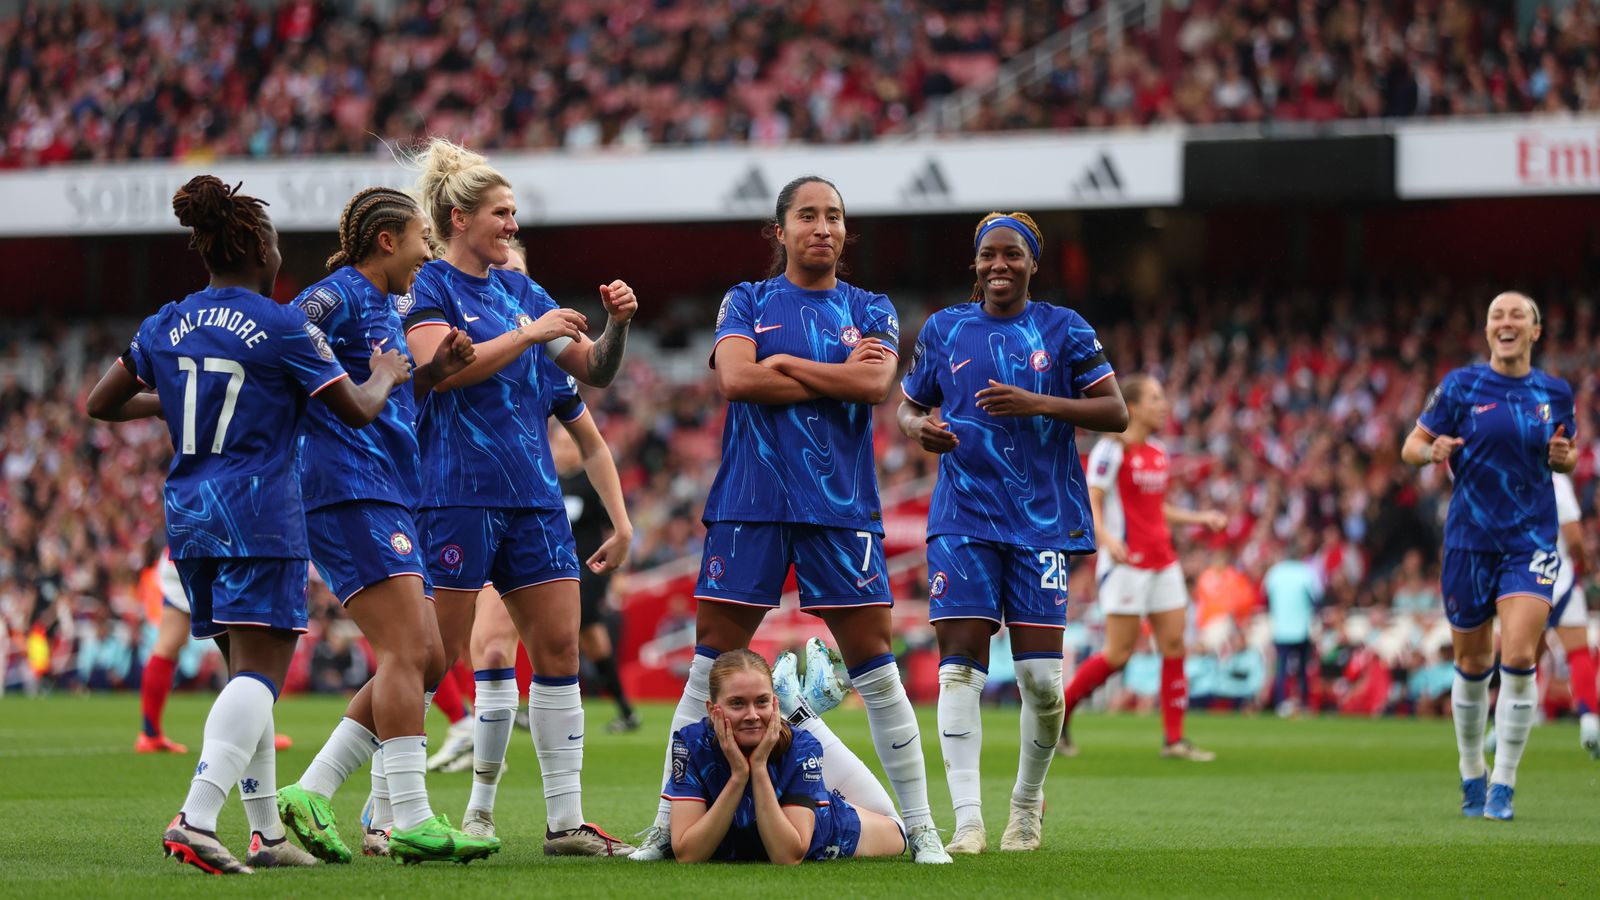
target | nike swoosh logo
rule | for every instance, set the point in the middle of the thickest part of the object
(903, 744)
(482, 719)
(1061, 602)
(863, 582)
(956, 367)
(1044, 746)
(962, 734)
(763, 329)
(573, 737)
(319, 823)
(470, 318)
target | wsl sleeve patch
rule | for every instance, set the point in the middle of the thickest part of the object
(680, 760)
(320, 303)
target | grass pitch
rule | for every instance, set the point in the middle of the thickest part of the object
(1321, 807)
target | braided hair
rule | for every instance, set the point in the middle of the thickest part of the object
(368, 214)
(227, 225)
(1024, 218)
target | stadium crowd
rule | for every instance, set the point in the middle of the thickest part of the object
(225, 78)
(1291, 428)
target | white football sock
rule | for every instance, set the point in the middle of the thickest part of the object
(1469, 699)
(405, 759)
(382, 812)
(233, 729)
(1039, 679)
(346, 750)
(961, 682)
(258, 787)
(491, 733)
(894, 735)
(1514, 713)
(691, 709)
(555, 710)
(843, 771)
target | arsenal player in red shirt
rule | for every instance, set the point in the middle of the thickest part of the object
(1137, 566)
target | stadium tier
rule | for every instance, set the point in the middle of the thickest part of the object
(208, 80)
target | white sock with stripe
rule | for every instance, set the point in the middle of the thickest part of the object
(496, 707)
(895, 736)
(555, 711)
(961, 682)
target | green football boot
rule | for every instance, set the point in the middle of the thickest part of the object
(310, 819)
(436, 841)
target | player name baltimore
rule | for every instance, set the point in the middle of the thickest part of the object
(218, 317)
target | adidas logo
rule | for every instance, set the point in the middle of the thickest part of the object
(1100, 179)
(927, 186)
(749, 191)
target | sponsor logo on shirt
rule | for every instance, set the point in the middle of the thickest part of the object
(1040, 361)
(763, 329)
(319, 341)
(404, 303)
(956, 367)
(1479, 410)
(319, 303)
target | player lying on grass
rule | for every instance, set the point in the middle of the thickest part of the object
(746, 786)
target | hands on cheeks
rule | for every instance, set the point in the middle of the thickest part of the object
(737, 761)
(620, 302)
(1007, 400)
(769, 740)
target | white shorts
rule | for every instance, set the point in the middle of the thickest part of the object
(172, 586)
(1569, 608)
(1128, 591)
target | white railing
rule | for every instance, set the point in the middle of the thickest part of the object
(1033, 65)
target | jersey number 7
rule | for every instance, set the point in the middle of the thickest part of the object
(235, 373)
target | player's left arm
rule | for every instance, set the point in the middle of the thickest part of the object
(1101, 408)
(866, 376)
(601, 468)
(596, 362)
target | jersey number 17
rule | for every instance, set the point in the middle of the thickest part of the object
(235, 373)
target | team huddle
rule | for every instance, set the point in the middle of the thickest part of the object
(422, 475)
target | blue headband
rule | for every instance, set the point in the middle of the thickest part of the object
(1014, 225)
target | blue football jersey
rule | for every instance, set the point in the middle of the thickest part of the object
(233, 370)
(809, 462)
(700, 772)
(1012, 480)
(1503, 499)
(485, 445)
(379, 462)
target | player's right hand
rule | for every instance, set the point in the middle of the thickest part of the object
(1113, 547)
(737, 761)
(391, 362)
(1443, 446)
(935, 436)
(557, 323)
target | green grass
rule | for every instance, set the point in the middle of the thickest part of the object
(1319, 807)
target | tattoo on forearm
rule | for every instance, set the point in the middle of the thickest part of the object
(605, 357)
